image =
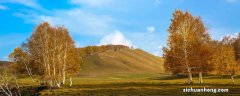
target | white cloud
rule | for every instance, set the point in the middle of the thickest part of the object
(234, 35)
(151, 43)
(28, 3)
(92, 3)
(158, 51)
(116, 38)
(78, 21)
(150, 29)
(3, 7)
(160, 46)
(219, 33)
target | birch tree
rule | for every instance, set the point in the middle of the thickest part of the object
(186, 36)
(52, 53)
(21, 62)
(8, 84)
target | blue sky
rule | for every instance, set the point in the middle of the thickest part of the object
(139, 23)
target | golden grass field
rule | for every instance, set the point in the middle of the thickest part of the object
(138, 85)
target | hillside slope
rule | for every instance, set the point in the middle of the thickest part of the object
(121, 61)
(4, 63)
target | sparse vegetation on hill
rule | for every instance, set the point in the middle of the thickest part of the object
(92, 50)
(4, 62)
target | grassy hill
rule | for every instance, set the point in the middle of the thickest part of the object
(120, 62)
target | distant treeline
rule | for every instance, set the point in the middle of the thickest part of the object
(91, 50)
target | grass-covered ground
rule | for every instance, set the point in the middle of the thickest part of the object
(138, 85)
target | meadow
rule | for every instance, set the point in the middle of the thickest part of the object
(136, 85)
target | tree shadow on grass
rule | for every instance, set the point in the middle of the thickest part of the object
(220, 77)
(169, 77)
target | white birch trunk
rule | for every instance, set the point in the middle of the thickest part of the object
(232, 77)
(70, 81)
(200, 78)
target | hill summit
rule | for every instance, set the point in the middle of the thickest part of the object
(118, 59)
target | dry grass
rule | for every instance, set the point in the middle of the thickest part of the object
(141, 85)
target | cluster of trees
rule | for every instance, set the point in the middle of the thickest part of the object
(91, 50)
(191, 51)
(50, 54)
(226, 59)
